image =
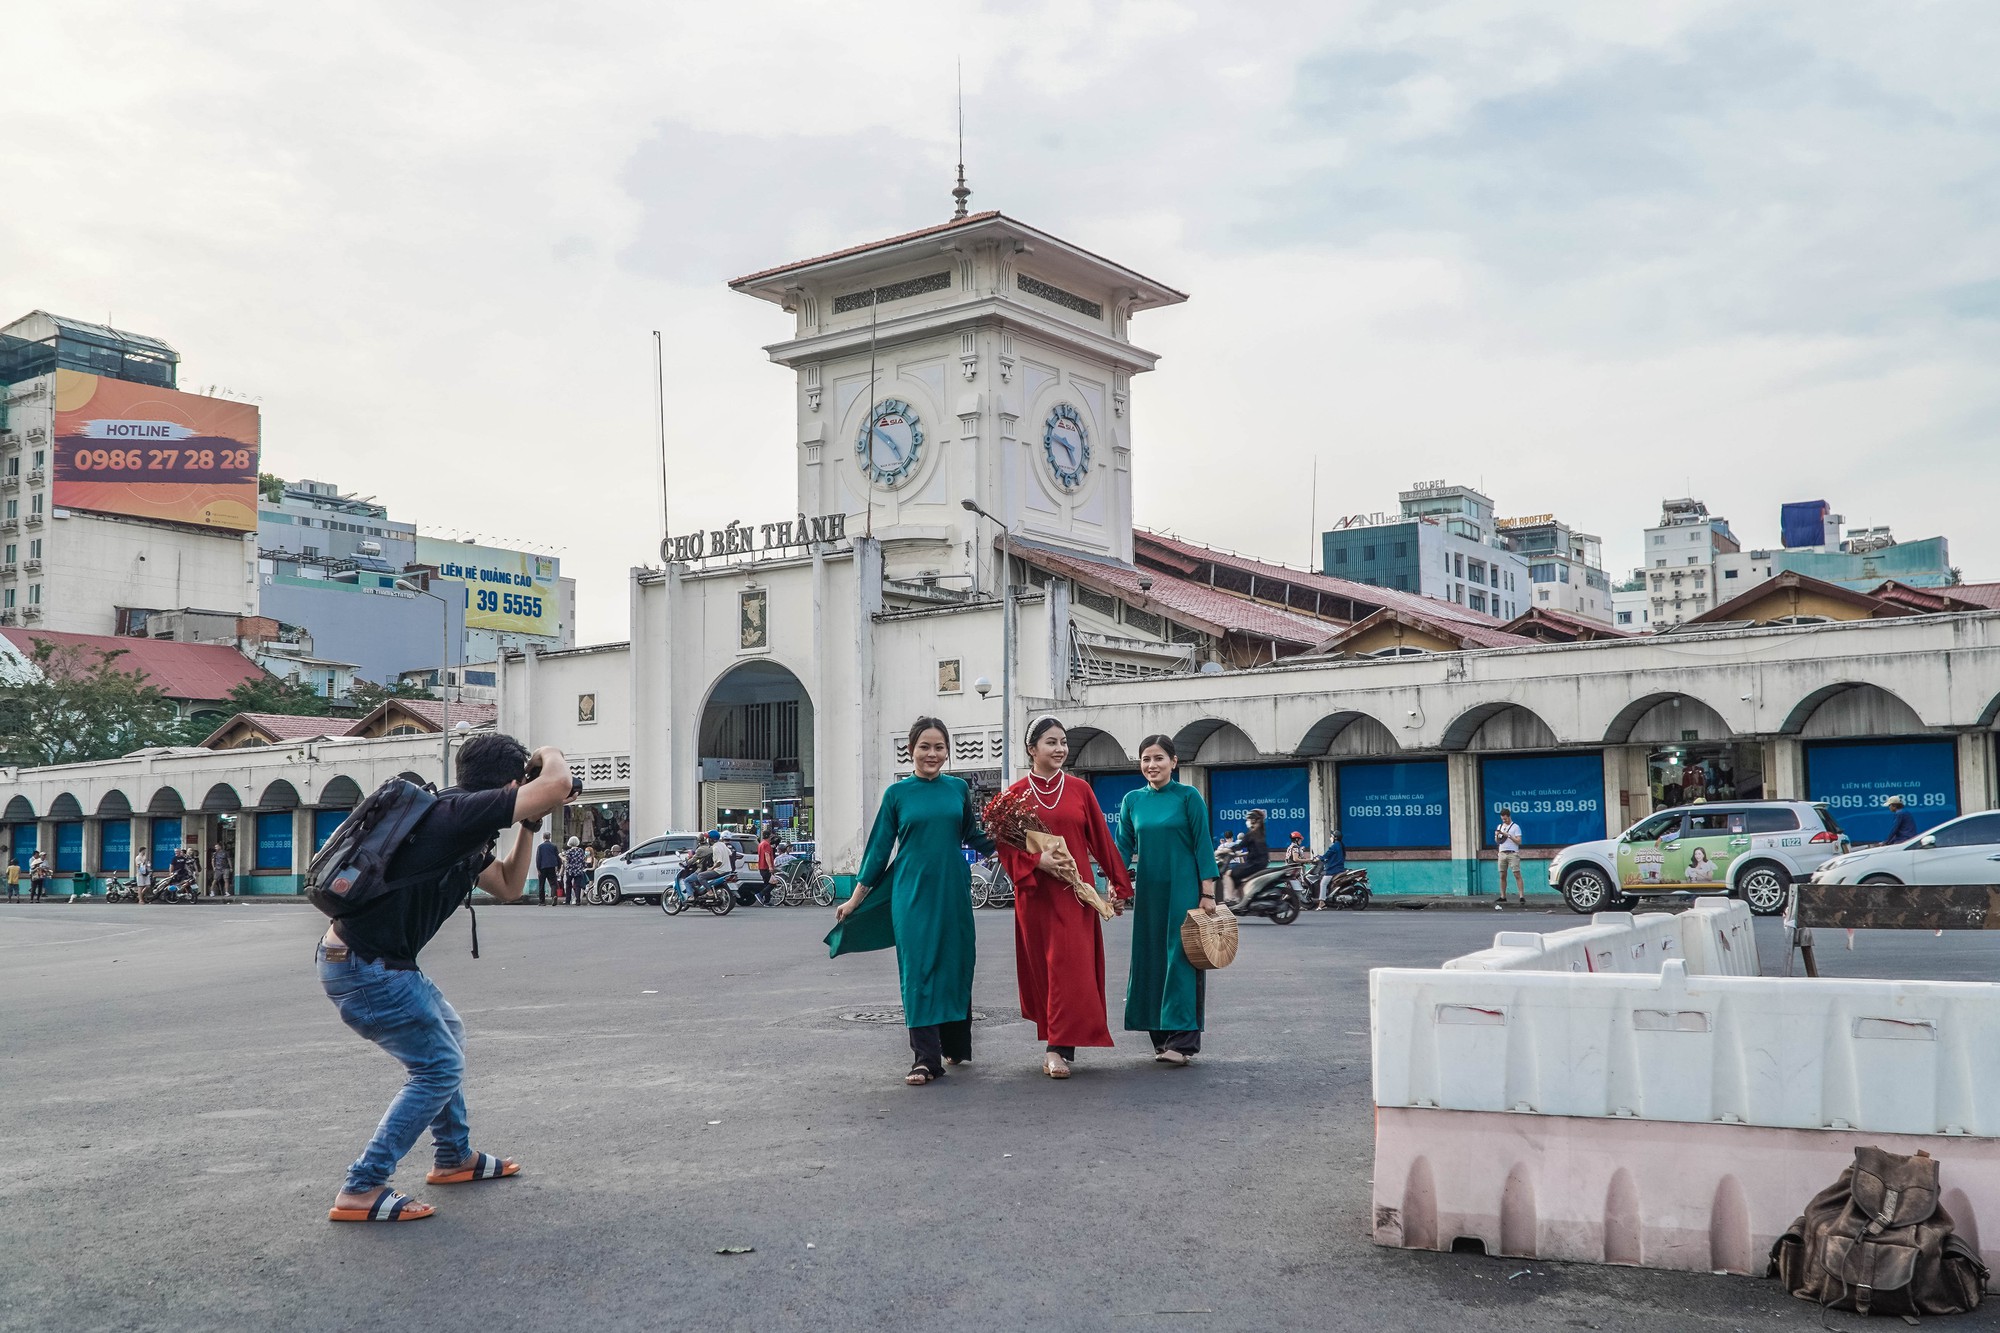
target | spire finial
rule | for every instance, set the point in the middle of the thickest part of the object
(961, 192)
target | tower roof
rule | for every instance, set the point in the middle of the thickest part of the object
(771, 283)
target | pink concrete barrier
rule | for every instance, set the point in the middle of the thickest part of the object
(1654, 1194)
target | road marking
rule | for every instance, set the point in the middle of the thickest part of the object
(81, 939)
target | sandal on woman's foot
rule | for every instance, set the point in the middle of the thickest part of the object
(1176, 1058)
(1054, 1065)
(388, 1206)
(954, 1060)
(483, 1166)
(918, 1076)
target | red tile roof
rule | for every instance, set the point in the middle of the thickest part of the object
(436, 713)
(1194, 604)
(1954, 597)
(285, 726)
(192, 671)
(1564, 622)
(1415, 603)
(1465, 635)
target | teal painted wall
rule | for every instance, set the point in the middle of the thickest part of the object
(1448, 878)
(265, 885)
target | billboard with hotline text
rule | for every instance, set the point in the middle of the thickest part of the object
(154, 453)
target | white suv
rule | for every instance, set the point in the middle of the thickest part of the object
(1752, 850)
(648, 870)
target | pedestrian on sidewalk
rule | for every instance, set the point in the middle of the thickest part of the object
(368, 966)
(142, 873)
(1507, 842)
(1905, 826)
(548, 865)
(575, 872)
(1163, 836)
(1058, 941)
(914, 895)
(13, 877)
(767, 862)
(222, 871)
(38, 878)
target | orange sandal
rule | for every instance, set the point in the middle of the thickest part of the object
(483, 1166)
(389, 1206)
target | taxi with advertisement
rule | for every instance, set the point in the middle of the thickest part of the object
(1753, 850)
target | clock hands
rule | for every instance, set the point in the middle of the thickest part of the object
(876, 433)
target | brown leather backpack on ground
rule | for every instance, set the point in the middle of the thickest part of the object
(1876, 1242)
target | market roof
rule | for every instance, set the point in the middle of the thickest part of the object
(1460, 633)
(1304, 591)
(430, 714)
(200, 672)
(1951, 597)
(1871, 605)
(1195, 605)
(1552, 626)
(275, 727)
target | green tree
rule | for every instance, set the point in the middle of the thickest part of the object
(270, 486)
(79, 704)
(366, 695)
(274, 694)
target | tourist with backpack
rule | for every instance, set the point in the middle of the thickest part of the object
(401, 865)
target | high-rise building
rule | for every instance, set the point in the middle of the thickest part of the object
(1680, 560)
(1565, 566)
(1443, 544)
(120, 495)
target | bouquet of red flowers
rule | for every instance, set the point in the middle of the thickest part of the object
(1013, 823)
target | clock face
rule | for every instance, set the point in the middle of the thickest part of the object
(890, 442)
(1066, 446)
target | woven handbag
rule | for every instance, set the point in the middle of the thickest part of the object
(1209, 941)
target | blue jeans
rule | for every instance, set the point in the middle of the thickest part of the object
(406, 1015)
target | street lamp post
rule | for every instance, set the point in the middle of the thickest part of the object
(444, 662)
(1006, 648)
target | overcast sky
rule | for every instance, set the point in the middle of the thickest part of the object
(1586, 256)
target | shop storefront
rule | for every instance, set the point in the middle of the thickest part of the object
(1855, 778)
(114, 847)
(166, 837)
(1557, 799)
(1395, 819)
(605, 825)
(1690, 771)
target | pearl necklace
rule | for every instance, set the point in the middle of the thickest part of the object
(1035, 786)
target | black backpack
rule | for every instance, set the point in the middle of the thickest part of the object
(352, 869)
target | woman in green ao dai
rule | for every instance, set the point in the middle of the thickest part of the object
(1163, 835)
(914, 895)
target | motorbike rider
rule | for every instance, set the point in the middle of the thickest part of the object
(694, 864)
(722, 856)
(1332, 864)
(1252, 855)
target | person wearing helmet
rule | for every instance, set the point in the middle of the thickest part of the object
(722, 861)
(694, 863)
(576, 871)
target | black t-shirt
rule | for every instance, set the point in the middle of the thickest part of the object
(454, 839)
(1253, 851)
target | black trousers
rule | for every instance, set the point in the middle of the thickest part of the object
(932, 1044)
(1187, 1043)
(542, 878)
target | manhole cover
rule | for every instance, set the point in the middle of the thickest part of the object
(894, 1016)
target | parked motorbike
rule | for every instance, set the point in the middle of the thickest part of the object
(1271, 893)
(120, 890)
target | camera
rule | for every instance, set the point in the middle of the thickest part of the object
(535, 770)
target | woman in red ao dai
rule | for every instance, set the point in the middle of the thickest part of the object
(1059, 942)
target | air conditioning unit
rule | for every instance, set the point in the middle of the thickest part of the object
(7, 615)
(10, 525)
(36, 476)
(31, 613)
(7, 570)
(36, 435)
(32, 564)
(34, 520)
(10, 482)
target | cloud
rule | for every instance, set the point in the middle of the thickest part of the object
(1590, 254)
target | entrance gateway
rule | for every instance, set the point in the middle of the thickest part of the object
(779, 660)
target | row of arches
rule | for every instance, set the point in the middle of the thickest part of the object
(221, 798)
(1849, 709)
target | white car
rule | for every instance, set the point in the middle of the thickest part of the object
(1753, 850)
(649, 869)
(1965, 850)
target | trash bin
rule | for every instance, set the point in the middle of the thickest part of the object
(80, 884)
(843, 887)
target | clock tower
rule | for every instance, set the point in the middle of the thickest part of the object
(979, 359)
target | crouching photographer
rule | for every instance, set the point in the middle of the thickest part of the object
(404, 861)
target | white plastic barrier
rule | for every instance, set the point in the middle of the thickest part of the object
(1912, 1057)
(1714, 936)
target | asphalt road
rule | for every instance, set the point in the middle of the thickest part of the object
(180, 1101)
